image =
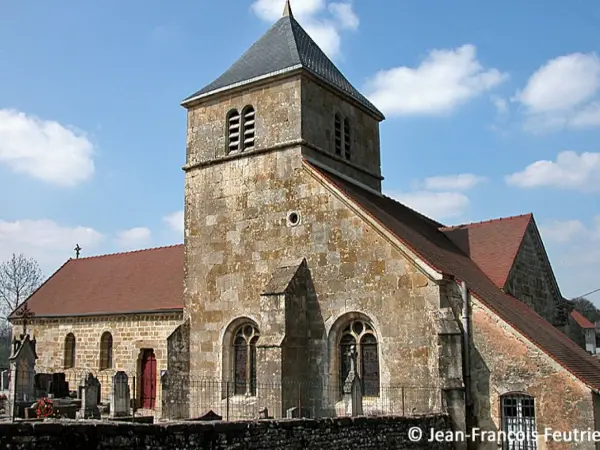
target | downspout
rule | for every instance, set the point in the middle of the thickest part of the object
(466, 342)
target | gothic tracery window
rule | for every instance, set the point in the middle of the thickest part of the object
(69, 359)
(360, 334)
(244, 360)
(106, 351)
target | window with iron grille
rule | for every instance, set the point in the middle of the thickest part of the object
(248, 116)
(106, 350)
(69, 361)
(233, 131)
(244, 360)
(518, 422)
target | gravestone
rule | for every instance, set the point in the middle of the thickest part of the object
(58, 388)
(42, 383)
(21, 389)
(89, 398)
(208, 416)
(119, 395)
(4, 380)
(296, 413)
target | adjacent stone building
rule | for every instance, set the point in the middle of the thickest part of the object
(298, 272)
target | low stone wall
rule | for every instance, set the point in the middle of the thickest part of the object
(365, 433)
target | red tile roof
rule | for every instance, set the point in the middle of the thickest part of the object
(434, 247)
(581, 320)
(140, 281)
(493, 244)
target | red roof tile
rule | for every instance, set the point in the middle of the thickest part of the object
(581, 320)
(493, 244)
(432, 245)
(145, 280)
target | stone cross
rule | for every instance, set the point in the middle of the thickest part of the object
(119, 395)
(77, 250)
(24, 314)
(353, 396)
(90, 387)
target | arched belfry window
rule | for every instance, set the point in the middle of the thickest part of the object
(338, 134)
(249, 124)
(360, 335)
(69, 361)
(518, 421)
(244, 360)
(347, 139)
(106, 351)
(233, 131)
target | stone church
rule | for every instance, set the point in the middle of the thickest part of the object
(296, 271)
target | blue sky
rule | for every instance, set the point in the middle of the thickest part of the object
(493, 109)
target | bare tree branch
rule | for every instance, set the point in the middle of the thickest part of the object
(587, 309)
(19, 277)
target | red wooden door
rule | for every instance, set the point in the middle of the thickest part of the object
(148, 384)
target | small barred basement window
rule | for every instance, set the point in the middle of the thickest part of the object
(518, 422)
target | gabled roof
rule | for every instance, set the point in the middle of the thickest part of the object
(434, 247)
(286, 46)
(140, 281)
(581, 320)
(492, 244)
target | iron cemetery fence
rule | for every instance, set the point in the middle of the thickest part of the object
(187, 397)
(79, 393)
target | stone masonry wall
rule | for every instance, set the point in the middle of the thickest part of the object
(130, 335)
(376, 433)
(277, 109)
(237, 235)
(528, 280)
(503, 362)
(319, 106)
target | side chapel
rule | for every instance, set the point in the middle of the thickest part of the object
(293, 255)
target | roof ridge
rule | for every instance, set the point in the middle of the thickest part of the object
(429, 219)
(128, 252)
(484, 222)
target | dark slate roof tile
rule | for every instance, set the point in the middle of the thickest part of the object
(285, 46)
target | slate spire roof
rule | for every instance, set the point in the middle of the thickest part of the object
(285, 47)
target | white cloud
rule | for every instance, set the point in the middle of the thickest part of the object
(561, 231)
(48, 242)
(134, 238)
(345, 15)
(563, 94)
(44, 149)
(443, 81)
(437, 205)
(570, 171)
(459, 182)
(175, 221)
(574, 250)
(501, 105)
(323, 21)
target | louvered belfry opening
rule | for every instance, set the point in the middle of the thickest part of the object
(233, 131)
(249, 127)
(338, 135)
(347, 140)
